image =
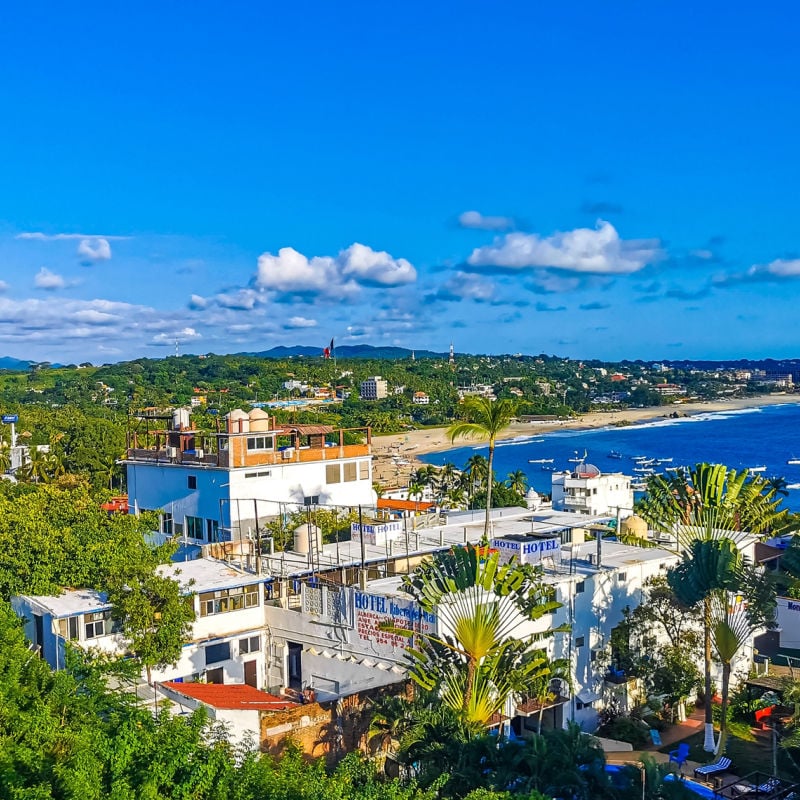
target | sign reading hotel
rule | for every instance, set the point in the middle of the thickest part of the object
(376, 534)
(527, 551)
(373, 610)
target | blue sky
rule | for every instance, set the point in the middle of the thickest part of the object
(611, 180)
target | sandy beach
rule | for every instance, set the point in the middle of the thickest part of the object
(405, 447)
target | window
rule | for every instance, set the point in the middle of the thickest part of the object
(579, 641)
(194, 527)
(593, 656)
(333, 473)
(263, 474)
(260, 443)
(191, 481)
(350, 469)
(166, 523)
(579, 706)
(215, 675)
(68, 628)
(363, 470)
(224, 600)
(621, 576)
(580, 587)
(311, 500)
(217, 652)
(212, 530)
(250, 645)
(95, 624)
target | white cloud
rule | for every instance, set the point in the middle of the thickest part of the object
(4, 287)
(777, 270)
(60, 237)
(180, 336)
(45, 279)
(292, 273)
(597, 251)
(478, 221)
(702, 253)
(465, 286)
(374, 267)
(95, 249)
(198, 302)
(300, 322)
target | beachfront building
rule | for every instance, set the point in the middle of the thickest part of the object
(215, 487)
(374, 388)
(586, 490)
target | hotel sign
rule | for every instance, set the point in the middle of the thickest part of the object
(376, 534)
(529, 551)
(371, 611)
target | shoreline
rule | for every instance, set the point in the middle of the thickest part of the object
(411, 444)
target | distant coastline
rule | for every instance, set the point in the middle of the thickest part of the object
(391, 448)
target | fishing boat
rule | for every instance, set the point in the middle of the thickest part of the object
(615, 454)
(639, 458)
(762, 468)
(644, 470)
(576, 459)
(638, 486)
(793, 460)
(541, 460)
(669, 460)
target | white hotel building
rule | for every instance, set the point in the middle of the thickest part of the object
(214, 487)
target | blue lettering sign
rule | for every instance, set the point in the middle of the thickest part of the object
(9, 418)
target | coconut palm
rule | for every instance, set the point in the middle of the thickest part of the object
(517, 481)
(392, 717)
(710, 510)
(486, 419)
(474, 473)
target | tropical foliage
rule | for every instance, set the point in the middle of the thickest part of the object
(488, 648)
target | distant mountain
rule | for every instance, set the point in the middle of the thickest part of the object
(347, 351)
(6, 362)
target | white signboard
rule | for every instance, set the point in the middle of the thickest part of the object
(376, 534)
(527, 551)
(373, 610)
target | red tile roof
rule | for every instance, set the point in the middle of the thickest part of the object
(402, 505)
(238, 696)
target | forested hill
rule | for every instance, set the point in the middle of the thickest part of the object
(347, 351)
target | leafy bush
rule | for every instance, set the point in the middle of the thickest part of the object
(626, 729)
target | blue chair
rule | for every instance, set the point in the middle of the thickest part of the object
(655, 737)
(680, 755)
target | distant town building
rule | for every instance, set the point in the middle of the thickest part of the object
(374, 388)
(669, 389)
(420, 399)
(586, 490)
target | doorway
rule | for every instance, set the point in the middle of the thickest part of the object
(295, 666)
(251, 673)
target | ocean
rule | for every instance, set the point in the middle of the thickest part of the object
(753, 437)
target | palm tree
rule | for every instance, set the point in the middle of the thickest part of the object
(517, 481)
(709, 509)
(486, 419)
(778, 485)
(474, 473)
(392, 717)
(481, 659)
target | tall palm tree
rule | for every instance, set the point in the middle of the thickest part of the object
(710, 510)
(474, 473)
(485, 419)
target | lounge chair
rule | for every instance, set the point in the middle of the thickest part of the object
(655, 737)
(708, 770)
(679, 755)
(762, 791)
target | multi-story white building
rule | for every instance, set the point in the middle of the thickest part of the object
(374, 388)
(212, 487)
(586, 490)
(227, 643)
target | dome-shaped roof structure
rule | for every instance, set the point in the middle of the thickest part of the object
(587, 471)
(634, 525)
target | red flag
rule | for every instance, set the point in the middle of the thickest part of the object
(326, 352)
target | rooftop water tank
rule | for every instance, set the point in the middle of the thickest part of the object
(532, 499)
(307, 536)
(238, 421)
(259, 420)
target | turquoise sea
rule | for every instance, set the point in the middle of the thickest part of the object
(754, 437)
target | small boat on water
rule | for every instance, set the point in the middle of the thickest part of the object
(639, 458)
(669, 460)
(644, 470)
(638, 486)
(615, 454)
(541, 460)
(576, 459)
(762, 468)
(547, 468)
(793, 460)
(793, 485)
